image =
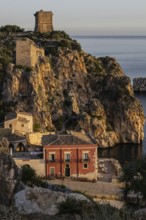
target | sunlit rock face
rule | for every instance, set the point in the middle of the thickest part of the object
(71, 90)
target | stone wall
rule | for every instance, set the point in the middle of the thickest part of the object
(23, 52)
(28, 53)
(43, 21)
(36, 54)
(36, 138)
(9, 178)
(37, 164)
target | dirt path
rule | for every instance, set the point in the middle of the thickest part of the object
(102, 192)
(92, 189)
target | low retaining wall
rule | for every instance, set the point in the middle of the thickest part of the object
(36, 164)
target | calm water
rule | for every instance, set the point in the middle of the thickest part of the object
(130, 52)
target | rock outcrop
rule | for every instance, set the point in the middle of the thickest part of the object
(9, 175)
(42, 201)
(140, 214)
(139, 84)
(71, 90)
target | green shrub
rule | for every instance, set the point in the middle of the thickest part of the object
(36, 127)
(2, 115)
(19, 66)
(30, 177)
(39, 182)
(11, 28)
(134, 177)
(99, 117)
(92, 210)
(70, 206)
(75, 45)
(65, 43)
(5, 59)
(109, 128)
(59, 34)
(28, 69)
(28, 174)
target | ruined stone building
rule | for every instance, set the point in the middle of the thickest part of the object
(20, 122)
(28, 53)
(43, 21)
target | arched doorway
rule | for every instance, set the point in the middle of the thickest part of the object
(20, 148)
(11, 147)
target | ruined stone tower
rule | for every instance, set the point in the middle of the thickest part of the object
(28, 53)
(43, 21)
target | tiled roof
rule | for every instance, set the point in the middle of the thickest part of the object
(13, 137)
(5, 132)
(64, 140)
(12, 115)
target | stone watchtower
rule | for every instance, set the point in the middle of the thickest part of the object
(43, 21)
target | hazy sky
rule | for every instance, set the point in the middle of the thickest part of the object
(90, 17)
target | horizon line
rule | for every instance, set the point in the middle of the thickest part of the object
(107, 35)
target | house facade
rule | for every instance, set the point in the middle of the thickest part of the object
(69, 156)
(19, 122)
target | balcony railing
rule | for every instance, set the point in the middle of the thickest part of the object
(85, 160)
(67, 160)
(51, 161)
(79, 160)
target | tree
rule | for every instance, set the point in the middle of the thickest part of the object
(28, 174)
(134, 177)
(30, 177)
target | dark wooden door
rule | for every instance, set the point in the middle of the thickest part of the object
(67, 171)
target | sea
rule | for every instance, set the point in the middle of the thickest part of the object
(130, 52)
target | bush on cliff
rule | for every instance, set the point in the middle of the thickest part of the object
(30, 177)
(134, 177)
(92, 210)
(11, 29)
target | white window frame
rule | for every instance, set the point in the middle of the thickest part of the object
(52, 153)
(85, 156)
(67, 159)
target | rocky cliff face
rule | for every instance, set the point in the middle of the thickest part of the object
(71, 90)
(9, 175)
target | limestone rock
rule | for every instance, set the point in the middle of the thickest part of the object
(71, 90)
(140, 214)
(38, 201)
(78, 197)
(9, 179)
(4, 146)
(42, 201)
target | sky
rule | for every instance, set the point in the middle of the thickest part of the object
(80, 17)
